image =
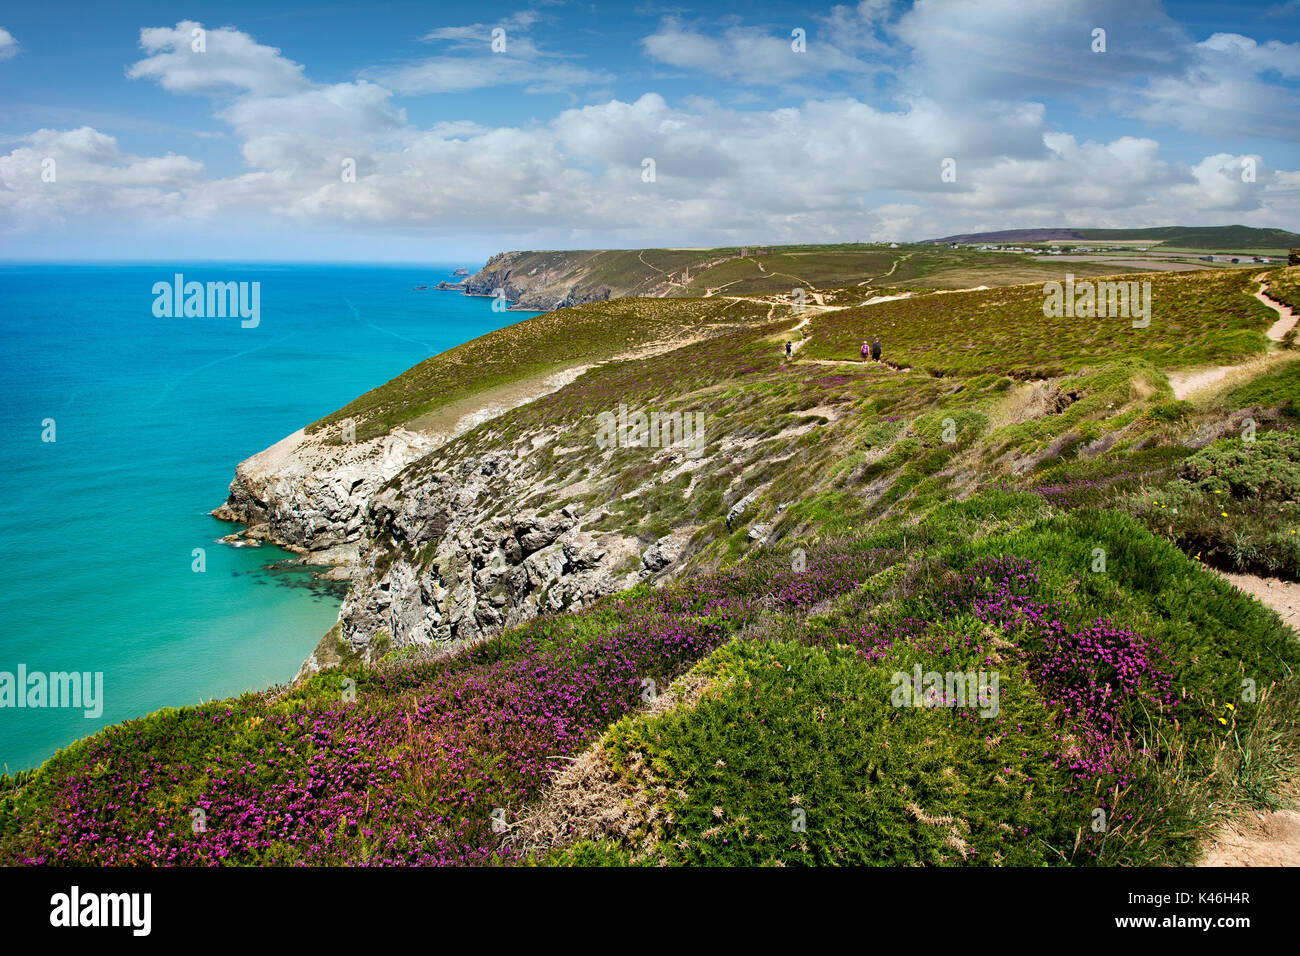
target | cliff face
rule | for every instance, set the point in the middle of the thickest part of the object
(491, 510)
(448, 559)
(307, 493)
(435, 553)
(540, 281)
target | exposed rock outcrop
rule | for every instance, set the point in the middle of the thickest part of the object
(444, 561)
(307, 492)
(543, 286)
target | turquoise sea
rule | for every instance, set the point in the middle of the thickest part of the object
(98, 528)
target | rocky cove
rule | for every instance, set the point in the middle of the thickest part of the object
(453, 505)
(426, 534)
(433, 561)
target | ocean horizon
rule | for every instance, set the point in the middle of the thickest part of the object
(112, 561)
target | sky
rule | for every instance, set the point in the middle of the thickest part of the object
(429, 131)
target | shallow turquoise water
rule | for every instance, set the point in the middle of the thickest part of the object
(151, 415)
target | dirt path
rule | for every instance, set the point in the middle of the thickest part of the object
(886, 275)
(888, 298)
(1281, 596)
(1286, 317)
(454, 419)
(821, 306)
(802, 324)
(1186, 382)
(1257, 837)
(714, 290)
(641, 255)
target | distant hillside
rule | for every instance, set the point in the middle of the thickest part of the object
(1197, 237)
(557, 279)
(1013, 235)
(1205, 237)
(545, 280)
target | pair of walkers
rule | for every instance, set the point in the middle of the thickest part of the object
(871, 351)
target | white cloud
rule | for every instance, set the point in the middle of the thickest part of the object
(976, 50)
(314, 127)
(477, 66)
(754, 55)
(8, 45)
(231, 61)
(1222, 91)
(81, 175)
(830, 168)
(457, 74)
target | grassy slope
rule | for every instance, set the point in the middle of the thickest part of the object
(1197, 319)
(597, 331)
(894, 518)
(538, 346)
(802, 719)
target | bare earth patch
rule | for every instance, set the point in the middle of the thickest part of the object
(1184, 383)
(1282, 596)
(1257, 839)
(588, 800)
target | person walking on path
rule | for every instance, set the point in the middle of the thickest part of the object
(788, 351)
(875, 349)
(866, 350)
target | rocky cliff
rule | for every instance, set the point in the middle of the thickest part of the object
(540, 281)
(307, 493)
(461, 523)
(448, 558)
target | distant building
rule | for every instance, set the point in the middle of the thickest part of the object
(893, 245)
(1294, 258)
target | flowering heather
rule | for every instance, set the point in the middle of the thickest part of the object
(1093, 675)
(411, 772)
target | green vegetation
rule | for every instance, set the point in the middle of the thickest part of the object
(1230, 238)
(803, 721)
(1279, 391)
(533, 349)
(1197, 319)
(1235, 503)
(1011, 494)
(1284, 286)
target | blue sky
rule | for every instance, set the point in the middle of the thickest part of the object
(234, 147)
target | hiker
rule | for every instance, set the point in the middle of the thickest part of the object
(875, 349)
(866, 350)
(788, 351)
